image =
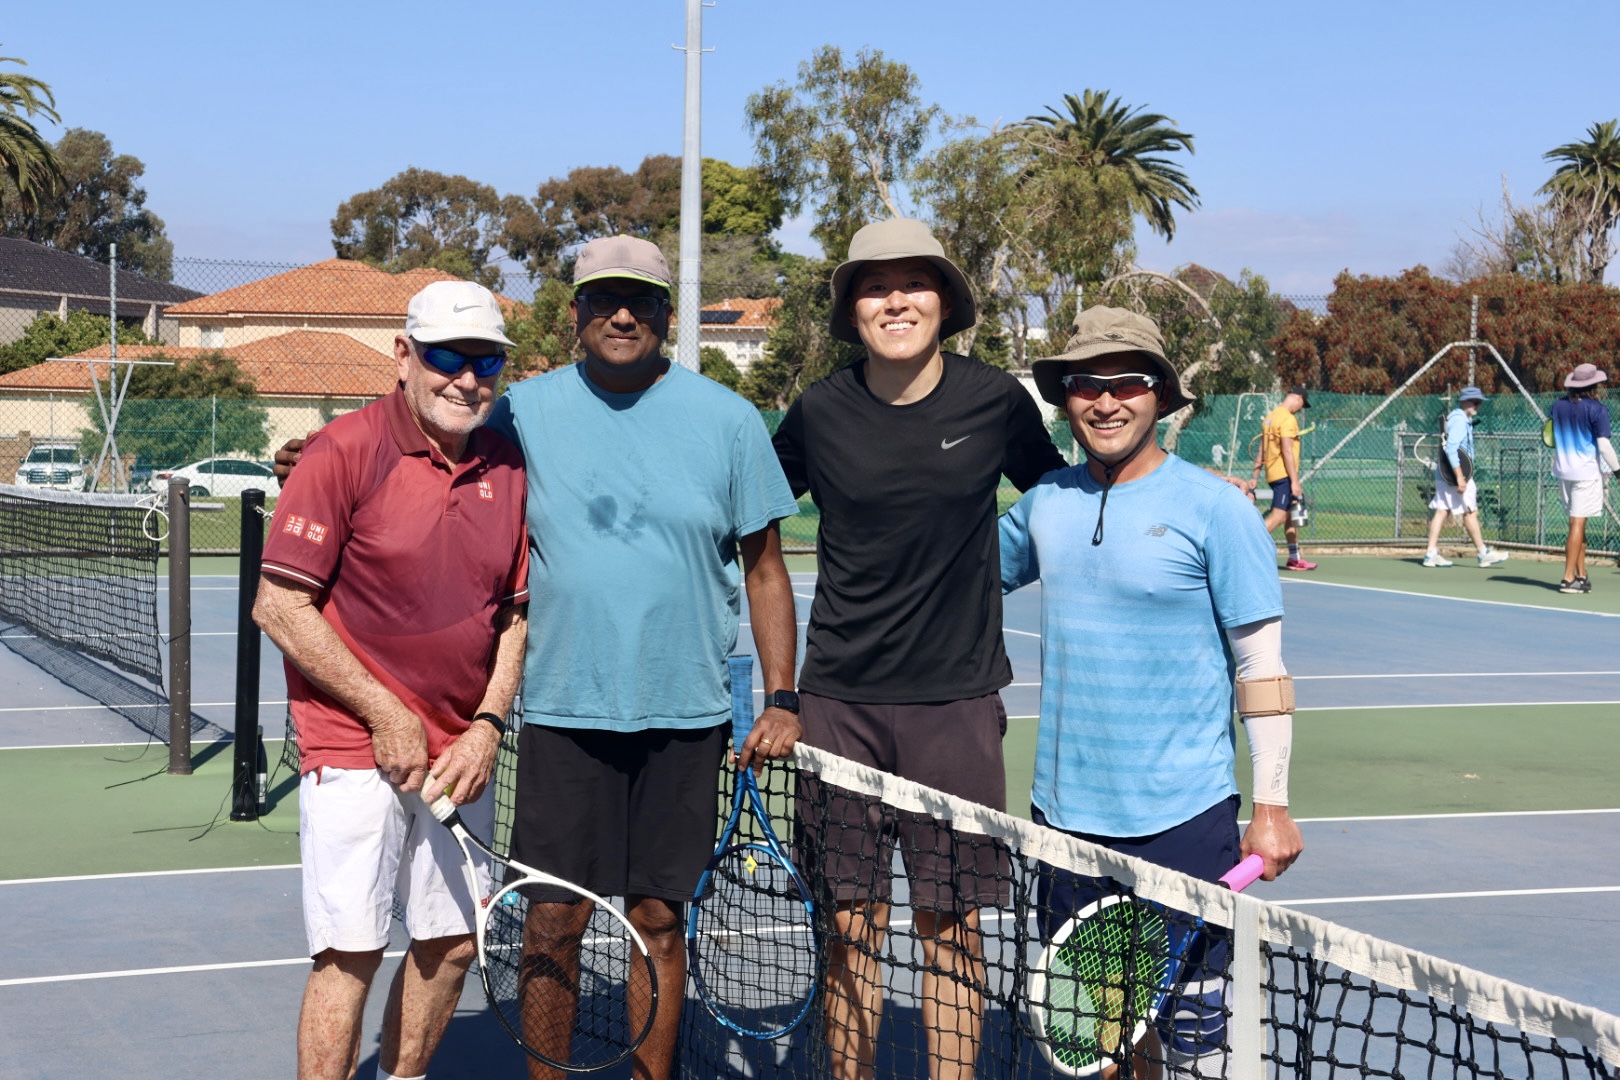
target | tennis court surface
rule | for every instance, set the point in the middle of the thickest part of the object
(1455, 763)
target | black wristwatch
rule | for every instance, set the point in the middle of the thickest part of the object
(493, 721)
(783, 699)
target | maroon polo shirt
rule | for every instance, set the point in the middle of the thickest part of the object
(413, 557)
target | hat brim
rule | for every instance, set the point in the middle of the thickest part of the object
(1049, 372)
(964, 310)
(431, 336)
(620, 272)
(1572, 383)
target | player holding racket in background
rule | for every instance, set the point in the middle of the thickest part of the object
(1159, 587)
(1279, 461)
(1455, 492)
(403, 632)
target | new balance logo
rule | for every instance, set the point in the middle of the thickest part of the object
(1156, 530)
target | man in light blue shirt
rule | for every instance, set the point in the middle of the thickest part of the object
(1159, 586)
(1583, 455)
(1455, 493)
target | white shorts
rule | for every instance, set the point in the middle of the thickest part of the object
(1448, 498)
(1582, 498)
(362, 842)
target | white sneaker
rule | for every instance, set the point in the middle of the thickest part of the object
(1434, 558)
(1492, 557)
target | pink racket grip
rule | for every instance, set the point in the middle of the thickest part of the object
(1244, 874)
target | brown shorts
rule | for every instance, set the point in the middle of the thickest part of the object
(849, 841)
(621, 813)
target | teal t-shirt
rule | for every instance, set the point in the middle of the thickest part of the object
(635, 506)
(1136, 674)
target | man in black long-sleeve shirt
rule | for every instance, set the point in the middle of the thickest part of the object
(902, 453)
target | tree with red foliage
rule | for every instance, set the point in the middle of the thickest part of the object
(1380, 330)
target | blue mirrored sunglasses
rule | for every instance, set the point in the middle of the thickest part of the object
(450, 362)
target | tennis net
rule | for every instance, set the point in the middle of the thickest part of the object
(1281, 993)
(78, 594)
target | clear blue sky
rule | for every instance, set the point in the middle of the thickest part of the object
(1361, 136)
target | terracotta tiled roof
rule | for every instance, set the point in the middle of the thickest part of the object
(333, 287)
(755, 313)
(297, 364)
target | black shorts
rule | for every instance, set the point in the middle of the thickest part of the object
(1282, 495)
(621, 813)
(849, 842)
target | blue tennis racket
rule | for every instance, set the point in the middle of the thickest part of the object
(751, 931)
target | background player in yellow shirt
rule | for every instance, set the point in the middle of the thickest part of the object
(1279, 457)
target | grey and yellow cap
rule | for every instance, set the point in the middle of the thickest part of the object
(1103, 331)
(899, 238)
(621, 257)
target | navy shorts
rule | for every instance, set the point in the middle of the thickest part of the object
(621, 813)
(1282, 495)
(1205, 846)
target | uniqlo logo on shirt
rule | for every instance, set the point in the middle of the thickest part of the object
(294, 524)
(316, 533)
(486, 490)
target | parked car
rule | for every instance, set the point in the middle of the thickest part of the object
(220, 476)
(52, 465)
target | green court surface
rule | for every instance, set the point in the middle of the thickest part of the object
(114, 809)
(1523, 579)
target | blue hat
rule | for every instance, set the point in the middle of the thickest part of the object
(1470, 393)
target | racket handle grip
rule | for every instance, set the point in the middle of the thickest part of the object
(442, 808)
(1244, 874)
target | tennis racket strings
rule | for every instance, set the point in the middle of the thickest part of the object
(566, 975)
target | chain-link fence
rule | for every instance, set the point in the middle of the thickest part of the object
(1376, 487)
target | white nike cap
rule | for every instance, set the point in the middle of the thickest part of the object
(455, 311)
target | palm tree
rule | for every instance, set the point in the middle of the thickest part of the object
(26, 159)
(1586, 190)
(1100, 132)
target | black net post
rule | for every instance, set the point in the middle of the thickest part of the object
(179, 627)
(245, 773)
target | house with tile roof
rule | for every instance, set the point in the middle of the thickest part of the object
(334, 296)
(35, 278)
(738, 327)
(303, 377)
(316, 341)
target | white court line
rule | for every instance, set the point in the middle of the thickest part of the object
(1454, 599)
(1440, 705)
(187, 969)
(1461, 675)
(1481, 894)
(1474, 814)
(148, 874)
(164, 705)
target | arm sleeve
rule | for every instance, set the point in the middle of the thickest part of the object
(1606, 458)
(1030, 454)
(1018, 563)
(759, 493)
(1258, 649)
(789, 445)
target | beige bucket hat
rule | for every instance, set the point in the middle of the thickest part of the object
(899, 238)
(1101, 331)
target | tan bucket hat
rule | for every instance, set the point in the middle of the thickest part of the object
(1101, 331)
(899, 238)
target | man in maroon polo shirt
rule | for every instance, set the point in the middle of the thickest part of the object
(394, 583)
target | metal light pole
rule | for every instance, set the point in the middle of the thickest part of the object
(691, 271)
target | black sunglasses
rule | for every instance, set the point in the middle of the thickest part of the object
(450, 362)
(601, 305)
(1120, 387)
